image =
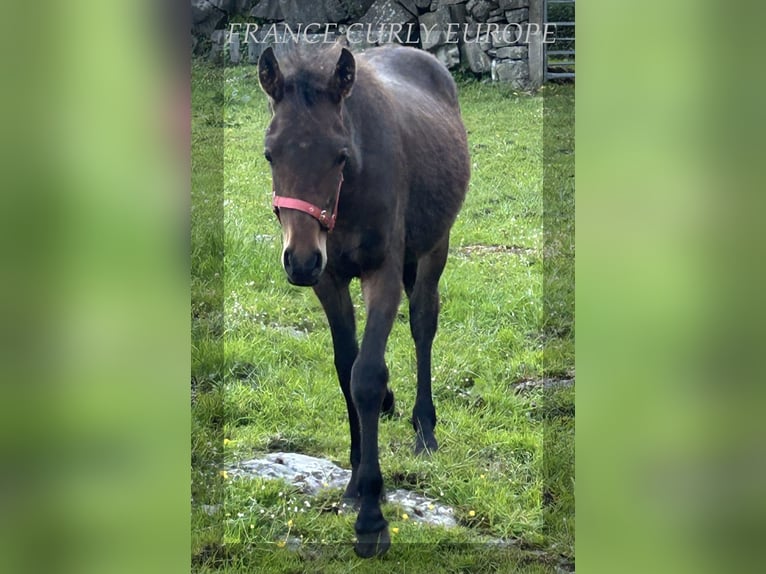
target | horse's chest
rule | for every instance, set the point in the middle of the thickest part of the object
(358, 252)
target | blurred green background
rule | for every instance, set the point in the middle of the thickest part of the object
(94, 297)
(670, 452)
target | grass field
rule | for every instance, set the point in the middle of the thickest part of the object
(263, 376)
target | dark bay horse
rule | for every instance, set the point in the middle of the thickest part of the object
(370, 166)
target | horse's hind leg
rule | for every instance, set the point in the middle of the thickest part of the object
(424, 316)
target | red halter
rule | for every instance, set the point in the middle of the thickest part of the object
(325, 220)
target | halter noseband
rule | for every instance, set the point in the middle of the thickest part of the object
(326, 220)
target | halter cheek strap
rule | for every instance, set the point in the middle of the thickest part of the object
(326, 220)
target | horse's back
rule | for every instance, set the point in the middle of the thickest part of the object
(424, 97)
(405, 70)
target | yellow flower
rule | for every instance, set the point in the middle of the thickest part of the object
(405, 516)
(471, 513)
(281, 544)
(290, 523)
(482, 476)
(395, 530)
(226, 441)
(252, 526)
(223, 474)
(430, 507)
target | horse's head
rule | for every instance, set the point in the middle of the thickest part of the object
(307, 145)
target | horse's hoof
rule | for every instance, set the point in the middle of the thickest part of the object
(426, 446)
(372, 543)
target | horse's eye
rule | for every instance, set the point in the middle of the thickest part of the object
(267, 155)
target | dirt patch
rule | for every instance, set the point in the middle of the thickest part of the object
(546, 384)
(470, 250)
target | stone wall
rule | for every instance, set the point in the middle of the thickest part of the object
(501, 39)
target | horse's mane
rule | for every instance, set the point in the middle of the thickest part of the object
(307, 68)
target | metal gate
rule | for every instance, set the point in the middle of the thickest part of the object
(559, 57)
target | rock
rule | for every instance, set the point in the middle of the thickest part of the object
(243, 6)
(457, 13)
(423, 4)
(235, 55)
(513, 4)
(312, 475)
(436, 4)
(386, 12)
(360, 40)
(254, 50)
(410, 6)
(300, 12)
(205, 17)
(448, 54)
(388, 35)
(234, 7)
(356, 8)
(516, 72)
(434, 28)
(517, 16)
(471, 30)
(224, 5)
(308, 473)
(316, 11)
(512, 53)
(293, 543)
(335, 11)
(218, 40)
(475, 58)
(485, 42)
(480, 10)
(505, 37)
(200, 10)
(267, 10)
(421, 509)
(315, 39)
(210, 509)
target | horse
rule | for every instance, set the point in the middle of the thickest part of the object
(370, 167)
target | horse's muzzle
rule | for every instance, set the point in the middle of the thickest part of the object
(303, 271)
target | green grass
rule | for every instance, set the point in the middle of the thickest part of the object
(264, 378)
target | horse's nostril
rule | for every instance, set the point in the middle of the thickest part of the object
(317, 261)
(302, 270)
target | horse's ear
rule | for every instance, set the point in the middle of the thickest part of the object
(345, 73)
(270, 76)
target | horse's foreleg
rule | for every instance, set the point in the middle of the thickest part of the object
(424, 316)
(334, 295)
(369, 379)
